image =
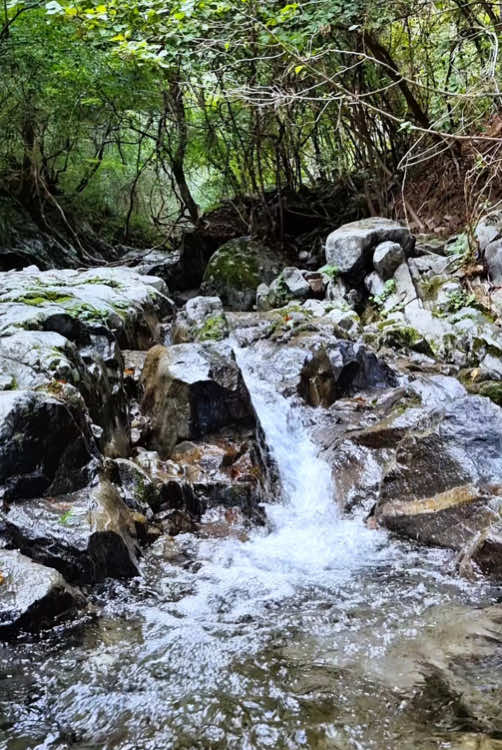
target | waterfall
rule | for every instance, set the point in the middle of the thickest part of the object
(306, 543)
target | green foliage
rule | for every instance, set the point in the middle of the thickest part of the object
(138, 114)
(389, 289)
(330, 271)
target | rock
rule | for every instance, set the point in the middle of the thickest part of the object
(374, 284)
(296, 284)
(78, 303)
(87, 535)
(201, 319)
(31, 595)
(493, 260)
(350, 248)
(340, 369)
(137, 490)
(442, 486)
(224, 471)
(66, 327)
(236, 270)
(488, 229)
(46, 445)
(290, 285)
(489, 236)
(386, 258)
(192, 390)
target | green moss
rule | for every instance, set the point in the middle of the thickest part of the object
(330, 271)
(41, 297)
(214, 329)
(492, 390)
(234, 268)
(406, 337)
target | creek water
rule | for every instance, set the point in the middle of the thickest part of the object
(313, 632)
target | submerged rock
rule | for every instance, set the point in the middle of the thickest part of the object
(192, 390)
(31, 595)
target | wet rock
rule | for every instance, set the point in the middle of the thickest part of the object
(66, 327)
(46, 445)
(386, 258)
(192, 390)
(489, 236)
(350, 248)
(443, 484)
(31, 595)
(340, 369)
(76, 303)
(226, 470)
(201, 319)
(87, 535)
(137, 490)
(236, 270)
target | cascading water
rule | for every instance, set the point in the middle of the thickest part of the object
(291, 639)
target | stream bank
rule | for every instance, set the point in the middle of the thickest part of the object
(253, 527)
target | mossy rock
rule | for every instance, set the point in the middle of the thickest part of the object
(492, 389)
(405, 337)
(236, 270)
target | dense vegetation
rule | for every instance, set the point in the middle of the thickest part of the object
(136, 116)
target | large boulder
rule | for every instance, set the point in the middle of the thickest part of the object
(443, 484)
(236, 270)
(350, 248)
(46, 445)
(87, 535)
(192, 390)
(68, 326)
(31, 595)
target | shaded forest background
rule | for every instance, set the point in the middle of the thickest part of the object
(134, 120)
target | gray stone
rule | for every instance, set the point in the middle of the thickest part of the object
(493, 260)
(31, 463)
(87, 536)
(386, 258)
(350, 247)
(296, 283)
(201, 319)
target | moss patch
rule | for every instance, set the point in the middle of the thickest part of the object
(214, 329)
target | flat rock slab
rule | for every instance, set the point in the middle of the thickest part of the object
(31, 595)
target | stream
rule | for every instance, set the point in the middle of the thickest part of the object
(312, 632)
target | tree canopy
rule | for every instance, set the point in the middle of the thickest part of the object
(139, 115)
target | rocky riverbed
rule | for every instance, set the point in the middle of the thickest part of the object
(262, 513)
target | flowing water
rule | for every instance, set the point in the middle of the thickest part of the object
(311, 633)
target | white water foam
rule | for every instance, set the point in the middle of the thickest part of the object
(307, 543)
